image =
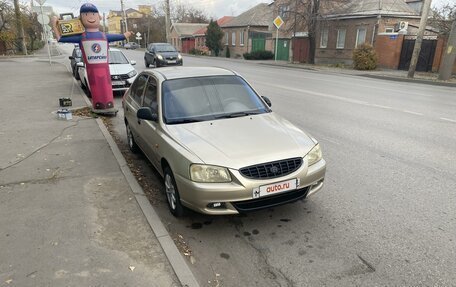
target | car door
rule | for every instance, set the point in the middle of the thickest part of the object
(149, 130)
(150, 54)
(133, 101)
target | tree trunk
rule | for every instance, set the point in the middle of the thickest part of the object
(20, 29)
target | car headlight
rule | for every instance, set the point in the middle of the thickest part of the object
(160, 57)
(315, 155)
(209, 173)
(179, 56)
(132, 74)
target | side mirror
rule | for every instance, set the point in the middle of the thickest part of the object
(147, 114)
(132, 62)
(71, 57)
(267, 100)
(80, 64)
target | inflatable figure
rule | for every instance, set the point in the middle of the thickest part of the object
(94, 46)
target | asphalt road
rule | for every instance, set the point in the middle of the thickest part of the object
(386, 215)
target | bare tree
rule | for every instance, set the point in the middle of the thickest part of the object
(182, 13)
(443, 17)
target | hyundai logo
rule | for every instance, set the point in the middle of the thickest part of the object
(274, 169)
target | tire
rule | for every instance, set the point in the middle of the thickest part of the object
(156, 65)
(86, 88)
(172, 194)
(76, 74)
(131, 140)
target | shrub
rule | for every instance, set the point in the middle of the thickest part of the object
(228, 54)
(259, 55)
(364, 58)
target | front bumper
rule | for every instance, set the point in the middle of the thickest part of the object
(237, 196)
(123, 86)
(166, 62)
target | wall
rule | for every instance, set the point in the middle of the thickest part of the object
(388, 48)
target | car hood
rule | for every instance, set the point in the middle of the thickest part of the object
(120, 69)
(244, 141)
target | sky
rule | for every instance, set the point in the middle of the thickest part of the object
(213, 8)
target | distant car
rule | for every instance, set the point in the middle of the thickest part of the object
(75, 58)
(131, 45)
(217, 143)
(122, 71)
(162, 54)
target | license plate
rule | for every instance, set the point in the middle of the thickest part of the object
(275, 188)
(118, 83)
(172, 62)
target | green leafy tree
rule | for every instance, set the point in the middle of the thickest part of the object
(214, 35)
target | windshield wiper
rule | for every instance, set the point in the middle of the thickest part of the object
(182, 121)
(236, 115)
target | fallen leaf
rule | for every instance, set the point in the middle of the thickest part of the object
(192, 260)
(132, 268)
(99, 184)
(9, 281)
(47, 169)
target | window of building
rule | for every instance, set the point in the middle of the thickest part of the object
(284, 11)
(233, 39)
(389, 30)
(226, 38)
(241, 38)
(340, 38)
(324, 38)
(360, 36)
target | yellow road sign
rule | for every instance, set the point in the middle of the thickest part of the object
(278, 22)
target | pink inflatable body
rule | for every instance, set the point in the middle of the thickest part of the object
(96, 57)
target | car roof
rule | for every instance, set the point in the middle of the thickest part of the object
(171, 73)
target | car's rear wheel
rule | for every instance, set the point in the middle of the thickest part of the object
(172, 194)
(131, 140)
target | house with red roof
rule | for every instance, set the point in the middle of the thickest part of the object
(200, 35)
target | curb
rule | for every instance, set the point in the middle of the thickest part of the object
(418, 81)
(177, 262)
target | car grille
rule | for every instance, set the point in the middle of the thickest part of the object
(119, 77)
(270, 201)
(170, 58)
(272, 169)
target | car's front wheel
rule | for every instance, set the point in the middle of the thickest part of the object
(172, 194)
(131, 140)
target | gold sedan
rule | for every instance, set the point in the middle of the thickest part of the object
(217, 143)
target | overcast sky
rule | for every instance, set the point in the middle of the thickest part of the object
(213, 8)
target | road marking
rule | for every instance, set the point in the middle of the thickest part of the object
(413, 113)
(448, 120)
(380, 106)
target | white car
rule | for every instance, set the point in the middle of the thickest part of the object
(122, 71)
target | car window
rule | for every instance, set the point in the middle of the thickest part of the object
(208, 98)
(137, 88)
(150, 95)
(165, 48)
(117, 57)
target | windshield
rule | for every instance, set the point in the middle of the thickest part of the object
(78, 53)
(164, 48)
(117, 57)
(209, 98)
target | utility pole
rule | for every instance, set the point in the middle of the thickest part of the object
(20, 29)
(419, 38)
(449, 55)
(167, 20)
(124, 15)
(104, 22)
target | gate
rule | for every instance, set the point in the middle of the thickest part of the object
(425, 59)
(258, 44)
(283, 50)
(301, 50)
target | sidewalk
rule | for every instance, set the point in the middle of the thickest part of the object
(68, 215)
